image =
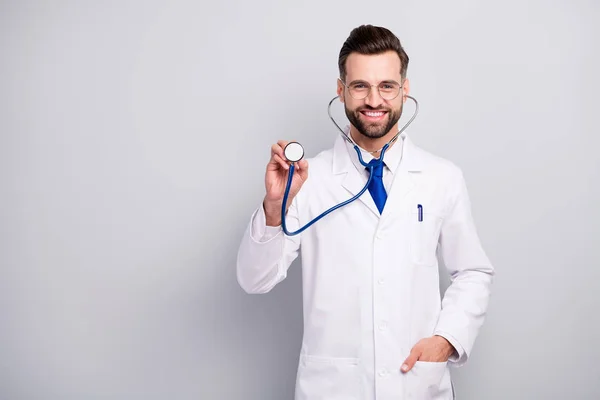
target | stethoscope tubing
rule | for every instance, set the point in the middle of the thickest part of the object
(369, 166)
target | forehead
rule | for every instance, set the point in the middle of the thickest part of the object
(373, 68)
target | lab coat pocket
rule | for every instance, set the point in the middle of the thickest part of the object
(425, 232)
(425, 381)
(328, 378)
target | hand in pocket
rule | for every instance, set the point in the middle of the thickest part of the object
(431, 349)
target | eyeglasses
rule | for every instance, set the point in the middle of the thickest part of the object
(360, 90)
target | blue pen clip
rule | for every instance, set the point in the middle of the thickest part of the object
(420, 208)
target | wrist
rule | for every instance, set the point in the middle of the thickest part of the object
(272, 213)
(447, 345)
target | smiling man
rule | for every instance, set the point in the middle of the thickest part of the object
(375, 324)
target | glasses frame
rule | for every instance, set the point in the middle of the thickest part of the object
(371, 87)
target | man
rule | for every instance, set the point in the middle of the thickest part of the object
(374, 324)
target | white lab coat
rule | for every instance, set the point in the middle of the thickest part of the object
(370, 281)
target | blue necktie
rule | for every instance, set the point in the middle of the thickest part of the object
(376, 186)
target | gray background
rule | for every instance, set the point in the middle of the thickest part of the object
(133, 142)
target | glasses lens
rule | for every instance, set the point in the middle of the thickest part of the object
(389, 90)
(359, 90)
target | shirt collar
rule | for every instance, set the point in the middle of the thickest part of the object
(391, 158)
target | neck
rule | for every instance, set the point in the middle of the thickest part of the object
(373, 144)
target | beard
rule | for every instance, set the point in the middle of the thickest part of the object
(373, 130)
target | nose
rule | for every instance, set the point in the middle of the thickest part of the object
(374, 99)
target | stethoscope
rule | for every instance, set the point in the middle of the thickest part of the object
(294, 152)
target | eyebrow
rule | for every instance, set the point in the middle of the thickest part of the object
(363, 81)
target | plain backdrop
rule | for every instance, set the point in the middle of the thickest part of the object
(133, 141)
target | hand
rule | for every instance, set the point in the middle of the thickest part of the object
(276, 180)
(432, 349)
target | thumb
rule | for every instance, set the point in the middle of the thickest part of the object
(410, 361)
(303, 169)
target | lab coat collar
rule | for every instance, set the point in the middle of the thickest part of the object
(412, 161)
(391, 159)
(344, 155)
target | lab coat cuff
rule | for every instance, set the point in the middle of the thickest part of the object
(260, 232)
(459, 357)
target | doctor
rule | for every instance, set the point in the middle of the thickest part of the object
(375, 326)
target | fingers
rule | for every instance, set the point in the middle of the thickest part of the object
(278, 149)
(278, 157)
(278, 160)
(410, 361)
(282, 144)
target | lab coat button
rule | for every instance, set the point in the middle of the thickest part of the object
(383, 372)
(380, 281)
(382, 326)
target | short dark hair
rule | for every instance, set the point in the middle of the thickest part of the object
(370, 40)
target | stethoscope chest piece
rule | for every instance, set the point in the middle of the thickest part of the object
(294, 152)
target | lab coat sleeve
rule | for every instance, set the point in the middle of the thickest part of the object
(466, 300)
(266, 253)
(260, 232)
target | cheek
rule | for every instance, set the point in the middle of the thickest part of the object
(351, 104)
(397, 104)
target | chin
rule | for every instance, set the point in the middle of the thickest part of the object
(375, 133)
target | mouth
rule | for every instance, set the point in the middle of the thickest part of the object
(373, 116)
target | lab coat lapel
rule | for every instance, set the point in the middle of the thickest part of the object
(351, 180)
(404, 179)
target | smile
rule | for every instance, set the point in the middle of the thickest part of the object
(374, 115)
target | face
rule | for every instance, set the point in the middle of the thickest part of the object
(373, 116)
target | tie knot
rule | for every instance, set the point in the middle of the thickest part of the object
(376, 162)
(377, 167)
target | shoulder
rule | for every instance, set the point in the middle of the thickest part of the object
(323, 157)
(320, 172)
(442, 175)
(436, 165)
(322, 162)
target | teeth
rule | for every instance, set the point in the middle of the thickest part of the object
(374, 114)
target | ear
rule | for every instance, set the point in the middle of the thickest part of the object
(340, 90)
(405, 89)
